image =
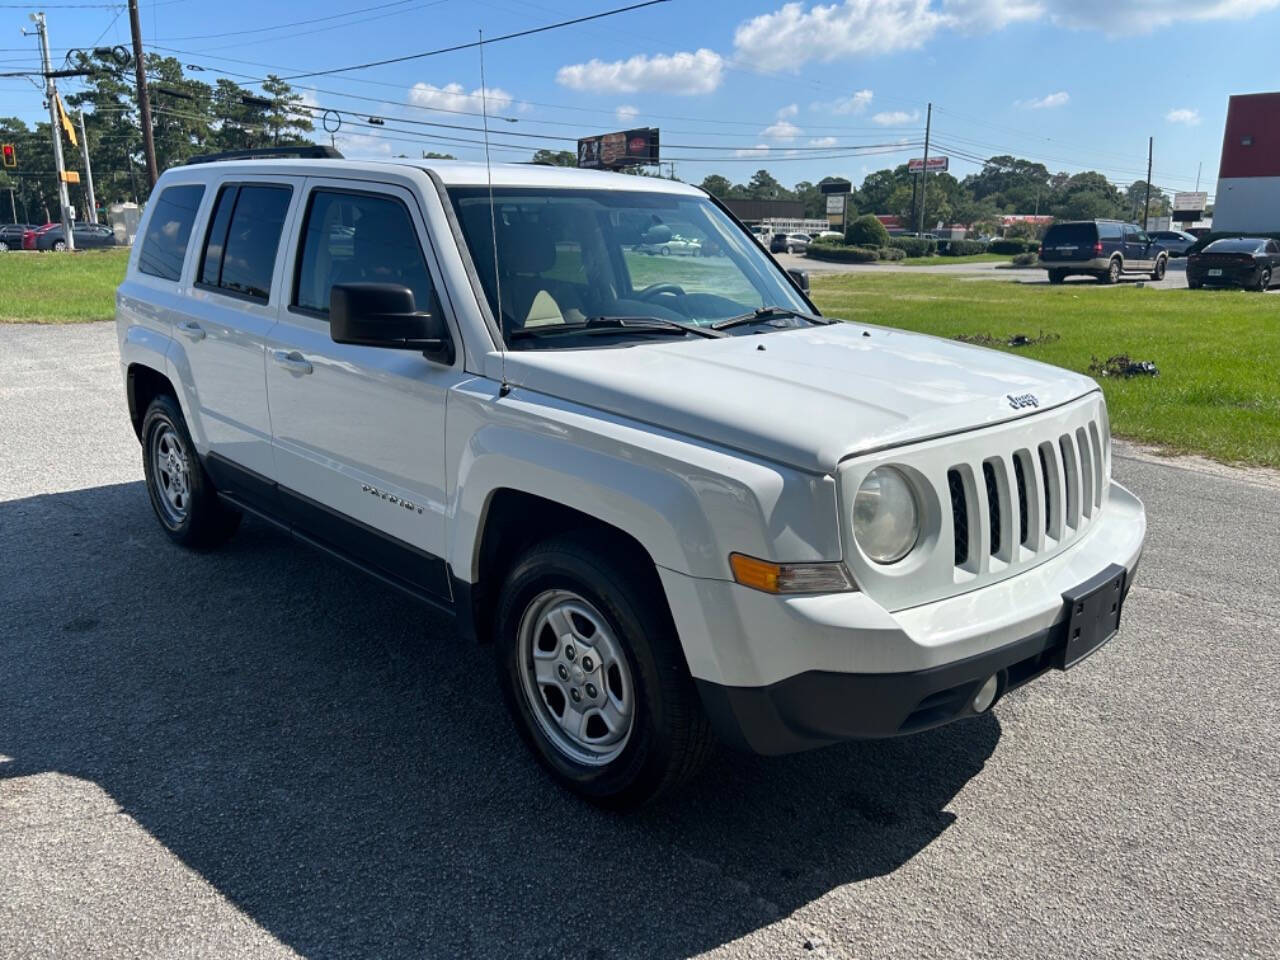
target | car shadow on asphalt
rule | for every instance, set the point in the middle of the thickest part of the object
(332, 760)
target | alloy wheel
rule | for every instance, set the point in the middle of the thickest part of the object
(170, 474)
(575, 677)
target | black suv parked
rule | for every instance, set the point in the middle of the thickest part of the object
(1105, 249)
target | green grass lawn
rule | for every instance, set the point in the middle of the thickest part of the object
(60, 287)
(938, 261)
(1218, 392)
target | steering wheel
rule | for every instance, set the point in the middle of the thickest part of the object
(654, 289)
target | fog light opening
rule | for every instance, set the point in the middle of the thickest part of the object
(986, 694)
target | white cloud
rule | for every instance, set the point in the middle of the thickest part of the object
(453, 97)
(682, 73)
(896, 118)
(626, 114)
(856, 102)
(359, 145)
(759, 150)
(798, 32)
(1047, 102)
(790, 110)
(782, 130)
(823, 142)
(792, 35)
(1184, 115)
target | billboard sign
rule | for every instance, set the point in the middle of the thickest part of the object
(936, 164)
(622, 149)
(1189, 207)
(835, 204)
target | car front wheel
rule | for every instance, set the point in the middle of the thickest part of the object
(1264, 278)
(59, 245)
(592, 670)
(182, 495)
(1161, 266)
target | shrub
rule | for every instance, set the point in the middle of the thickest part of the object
(915, 246)
(1012, 246)
(829, 241)
(866, 231)
(1028, 259)
(964, 248)
(892, 253)
(840, 253)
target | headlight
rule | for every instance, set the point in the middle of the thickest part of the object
(886, 520)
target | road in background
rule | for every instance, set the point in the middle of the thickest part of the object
(256, 752)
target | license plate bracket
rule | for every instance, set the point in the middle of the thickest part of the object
(1093, 615)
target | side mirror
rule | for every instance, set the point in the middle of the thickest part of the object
(801, 277)
(385, 315)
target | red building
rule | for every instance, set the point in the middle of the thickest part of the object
(1248, 197)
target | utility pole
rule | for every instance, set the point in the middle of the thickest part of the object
(1146, 203)
(13, 205)
(924, 172)
(1199, 167)
(144, 100)
(51, 93)
(88, 173)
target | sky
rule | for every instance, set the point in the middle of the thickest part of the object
(805, 90)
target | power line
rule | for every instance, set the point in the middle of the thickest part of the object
(475, 43)
(295, 23)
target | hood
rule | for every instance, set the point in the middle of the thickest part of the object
(807, 398)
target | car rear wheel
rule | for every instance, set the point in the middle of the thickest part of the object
(1264, 278)
(1057, 276)
(1194, 284)
(1113, 271)
(665, 251)
(181, 493)
(592, 671)
(1161, 265)
(59, 245)
(4, 246)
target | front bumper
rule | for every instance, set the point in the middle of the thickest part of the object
(780, 675)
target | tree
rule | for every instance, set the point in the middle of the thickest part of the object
(1088, 196)
(556, 158)
(432, 155)
(287, 121)
(763, 186)
(717, 185)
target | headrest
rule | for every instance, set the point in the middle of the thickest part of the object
(526, 246)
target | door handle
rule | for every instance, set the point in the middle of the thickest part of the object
(191, 330)
(292, 361)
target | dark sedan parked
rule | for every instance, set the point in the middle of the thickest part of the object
(11, 235)
(51, 236)
(1250, 262)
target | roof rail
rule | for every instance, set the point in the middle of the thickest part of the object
(302, 151)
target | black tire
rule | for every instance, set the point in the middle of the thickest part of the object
(4, 246)
(1113, 271)
(665, 251)
(1162, 264)
(205, 520)
(1057, 276)
(1194, 284)
(1264, 279)
(670, 736)
(59, 245)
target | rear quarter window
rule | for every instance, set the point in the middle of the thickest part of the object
(164, 248)
(1071, 233)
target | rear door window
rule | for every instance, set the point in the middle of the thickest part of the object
(244, 239)
(165, 245)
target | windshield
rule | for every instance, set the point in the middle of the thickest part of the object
(565, 257)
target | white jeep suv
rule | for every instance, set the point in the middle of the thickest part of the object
(672, 497)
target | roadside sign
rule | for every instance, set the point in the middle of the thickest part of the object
(622, 149)
(936, 164)
(835, 185)
(1190, 201)
(835, 204)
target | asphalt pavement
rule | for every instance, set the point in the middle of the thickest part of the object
(1175, 277)
(255, 752)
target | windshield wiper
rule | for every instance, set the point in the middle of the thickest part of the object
(614, 325)
(764, 314)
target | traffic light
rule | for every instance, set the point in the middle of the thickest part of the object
(10, 155)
